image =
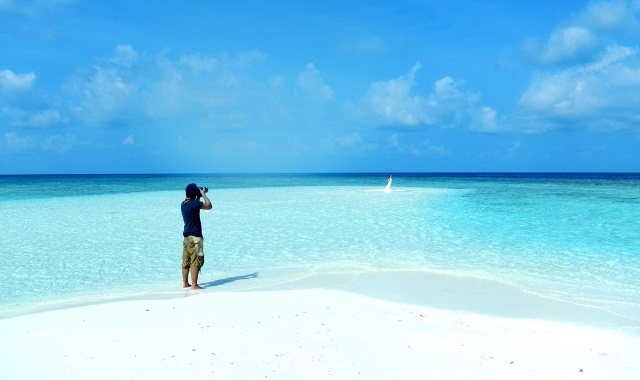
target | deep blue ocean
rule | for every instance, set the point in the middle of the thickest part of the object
(88, 238)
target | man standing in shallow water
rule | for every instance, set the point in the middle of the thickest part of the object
(192, 246)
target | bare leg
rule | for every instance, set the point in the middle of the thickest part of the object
(185, 278)
(194, 278)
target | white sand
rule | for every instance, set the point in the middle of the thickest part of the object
(296, 334)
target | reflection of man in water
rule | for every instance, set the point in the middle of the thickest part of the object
(389, 180)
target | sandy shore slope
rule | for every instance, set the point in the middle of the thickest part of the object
(294, 334)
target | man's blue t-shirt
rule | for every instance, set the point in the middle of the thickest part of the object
(191, 217)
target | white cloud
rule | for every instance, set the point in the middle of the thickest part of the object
(484, 119)
(196, 91)
(10, 81)
(603, 93)
(103, 97)
(310, 81)
(450, 104)
(583, 37)
(59, 143)
(25, 118)
(129, 140)
(11, 141)
(569, 43)
(43, 118)
(204, 91)
(125, 55)
(33, 7)
(393, 101)
(611, 15)
(23, 106)
(199, 63)
(618, 67)
(447, 89)
(596, 83)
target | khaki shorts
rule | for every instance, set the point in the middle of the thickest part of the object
(192, 252)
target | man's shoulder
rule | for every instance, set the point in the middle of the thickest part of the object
(191, 204)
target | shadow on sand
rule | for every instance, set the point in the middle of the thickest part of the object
(227, 280)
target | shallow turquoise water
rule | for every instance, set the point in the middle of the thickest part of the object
(569, 237)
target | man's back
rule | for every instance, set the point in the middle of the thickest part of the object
(191, 217)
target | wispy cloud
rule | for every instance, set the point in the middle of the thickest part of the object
(611, 15)
(31, 8)
(394, 101)
(129, 140)
(59, 143)
(449, 104)
(584, 36)
(571, 43)
(102, 97)
(125, 55)
(10, 81)
(21, 105)
(597, 82)
(602, 94)
(310, 81)
(32, 118)
(11, 141)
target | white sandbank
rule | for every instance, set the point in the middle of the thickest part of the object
(302, 333)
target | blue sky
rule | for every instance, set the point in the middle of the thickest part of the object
(320, 86)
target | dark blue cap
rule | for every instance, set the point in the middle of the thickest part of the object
(192, 191)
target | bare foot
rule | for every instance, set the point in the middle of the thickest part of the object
(186, 285)
(196, 287)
